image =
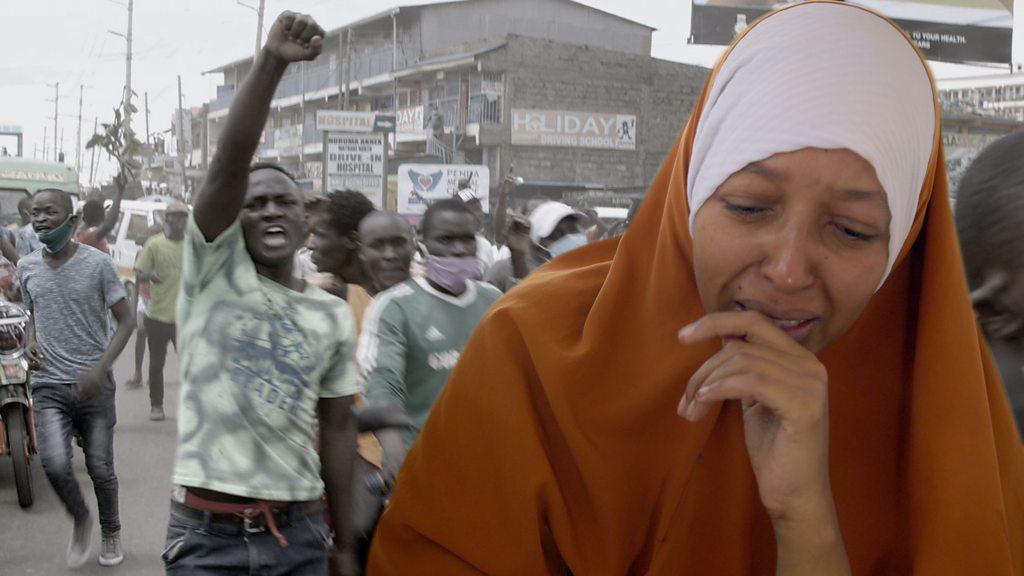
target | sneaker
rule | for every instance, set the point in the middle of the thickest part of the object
(111, 553)
(80, 547)
(156, 414)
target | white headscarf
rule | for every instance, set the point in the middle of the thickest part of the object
(821, 75)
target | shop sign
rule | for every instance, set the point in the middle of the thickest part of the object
(420, 185)
(574, 129)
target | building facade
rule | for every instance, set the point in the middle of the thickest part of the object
(977, 111)
(566, 94)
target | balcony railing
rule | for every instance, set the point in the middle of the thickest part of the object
(484, 111)
(318, 77)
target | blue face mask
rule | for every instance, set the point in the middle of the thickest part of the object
(567, 243)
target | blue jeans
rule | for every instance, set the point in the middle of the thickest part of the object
(205, 548)
(60, 411)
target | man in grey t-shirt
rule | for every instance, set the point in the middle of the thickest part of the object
(69, 288)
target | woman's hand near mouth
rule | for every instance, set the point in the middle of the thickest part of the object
(783, 390)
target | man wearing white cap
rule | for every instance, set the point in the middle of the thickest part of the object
(553, 229)
(160, 265)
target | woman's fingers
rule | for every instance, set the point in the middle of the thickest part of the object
(802, 402)
(750, 368)
(749, 326)
(744, 387)
(733, 351)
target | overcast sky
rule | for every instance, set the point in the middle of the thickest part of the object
(67, 41)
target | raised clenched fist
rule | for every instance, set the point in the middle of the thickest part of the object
(294, 38)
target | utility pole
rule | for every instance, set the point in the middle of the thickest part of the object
(348, 64)
(259, 28)
(78, 148)
(149, 149)
(127, 62)
(45, 134)
(394, 68)
(128, 67)
(61, 157)
(56, 106)
(92, 163)
(302, 115)
(181, 140)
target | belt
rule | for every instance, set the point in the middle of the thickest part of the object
(253, 517)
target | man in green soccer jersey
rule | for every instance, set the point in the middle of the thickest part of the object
(414, 332)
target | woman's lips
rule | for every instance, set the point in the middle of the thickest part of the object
(797, 324)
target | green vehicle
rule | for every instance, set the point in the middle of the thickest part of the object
(21, 177)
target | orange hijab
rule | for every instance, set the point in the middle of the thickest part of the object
(556, 443)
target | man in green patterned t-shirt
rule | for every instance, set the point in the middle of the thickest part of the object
(265, 356)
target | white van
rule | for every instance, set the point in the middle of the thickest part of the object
(131, 232)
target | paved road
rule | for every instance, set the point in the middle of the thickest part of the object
(33, 541)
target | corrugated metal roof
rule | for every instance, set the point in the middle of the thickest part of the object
(408, 7)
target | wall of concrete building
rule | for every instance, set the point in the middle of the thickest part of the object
(544, 75)
(568, 22)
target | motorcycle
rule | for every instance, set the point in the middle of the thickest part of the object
(17, 435)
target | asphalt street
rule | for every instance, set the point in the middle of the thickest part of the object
(34, 541)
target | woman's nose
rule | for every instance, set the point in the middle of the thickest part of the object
(790, 264)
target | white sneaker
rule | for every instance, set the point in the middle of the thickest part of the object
(80, 547)
(111, 553)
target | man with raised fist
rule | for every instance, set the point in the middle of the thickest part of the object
(263, 356)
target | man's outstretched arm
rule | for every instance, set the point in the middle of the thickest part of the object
(293, 38)
(110, 218)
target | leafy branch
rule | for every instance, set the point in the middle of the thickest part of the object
(118, 140)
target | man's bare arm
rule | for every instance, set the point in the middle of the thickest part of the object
(293, 38)
(110, 218)
(126, 323)
(9, 251)
(337, 457)
(500, 216)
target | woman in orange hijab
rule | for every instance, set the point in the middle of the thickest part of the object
(776, 369)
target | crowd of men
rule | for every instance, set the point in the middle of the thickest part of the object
(291, 315)
(285, 312)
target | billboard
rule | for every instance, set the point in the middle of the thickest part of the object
(356, 162)
(574, 129)
(353, 122)
(419, 185)
(960, 31)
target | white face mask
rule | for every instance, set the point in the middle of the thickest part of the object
(567, 243)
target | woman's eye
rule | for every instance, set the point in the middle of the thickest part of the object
(855, 235)
(745, 210)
